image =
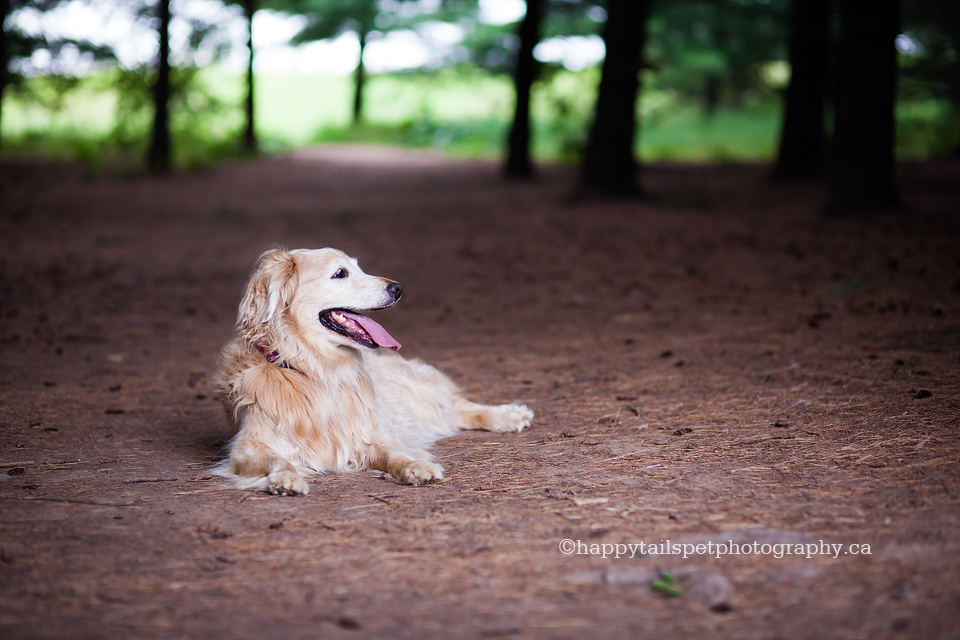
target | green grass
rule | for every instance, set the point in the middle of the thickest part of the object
(301, 110)
(926, 128)
(463, 113)
(683, 133)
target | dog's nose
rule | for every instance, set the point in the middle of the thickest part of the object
(395, 289)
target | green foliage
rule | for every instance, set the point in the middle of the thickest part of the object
(677, 129)
(495, 47)
(104, 119)
(467, 138)
(711, 91)
(715, 52)
(927, 127)
(57, 117)
(461, 113)
(929, 82)
(204, 127)
(563, 106)
(331, 18)
(48, 92)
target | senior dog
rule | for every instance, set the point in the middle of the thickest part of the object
(312, 385)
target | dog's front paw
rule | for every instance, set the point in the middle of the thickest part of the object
(509, 418)
(286, 483)
(419, 472)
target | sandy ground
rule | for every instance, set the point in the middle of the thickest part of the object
(715, 366)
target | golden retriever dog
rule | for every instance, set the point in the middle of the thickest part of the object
(313, 385)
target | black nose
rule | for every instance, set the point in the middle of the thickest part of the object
(395, 290)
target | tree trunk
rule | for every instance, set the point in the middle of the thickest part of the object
(4, 54)
(249, 133)
(358, 90)
(802, 138)
(711, 95)
(518, 142)
(610, 168)
(158, 156)
(863, 164)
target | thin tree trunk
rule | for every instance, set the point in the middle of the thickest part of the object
(518, 162)
(863, 164)
(711, 95)
(802, 138)
(249, 133)
(158, 156)
(610, 167)
(4, 54)
(358, 90)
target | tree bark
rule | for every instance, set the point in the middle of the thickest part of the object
(863, 164)
(158, 155)
(518, 163)
(249, 133)
(4, 54)
(610, 167)
(358, 90)
(802, 138)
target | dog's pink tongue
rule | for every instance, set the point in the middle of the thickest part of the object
(378, 333)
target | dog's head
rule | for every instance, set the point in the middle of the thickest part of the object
(319, 294)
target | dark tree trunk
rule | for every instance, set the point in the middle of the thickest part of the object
(711, 95)
(4, 53)
(609, 167)
(249, 133)
(518, 143)
(358, 89)
(158, 156)
(802, 138)
(863, 164)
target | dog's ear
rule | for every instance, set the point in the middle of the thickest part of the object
(270, 289)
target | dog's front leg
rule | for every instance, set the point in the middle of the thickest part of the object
(285, 481)
(258, 466)
(409, 466)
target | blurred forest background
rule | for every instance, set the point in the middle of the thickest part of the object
(167, 85)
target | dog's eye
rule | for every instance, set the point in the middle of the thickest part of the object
(341, 273)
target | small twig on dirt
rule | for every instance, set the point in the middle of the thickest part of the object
(22, 463)
(93, 503)
(379, 498)
(360, 506)
(757, 441)
(142, 480)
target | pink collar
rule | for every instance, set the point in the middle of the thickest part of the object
(273, 357)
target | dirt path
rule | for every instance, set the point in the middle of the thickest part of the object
(717, 365)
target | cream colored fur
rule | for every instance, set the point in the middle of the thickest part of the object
(337, 406)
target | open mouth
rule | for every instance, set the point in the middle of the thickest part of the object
(359, 328)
